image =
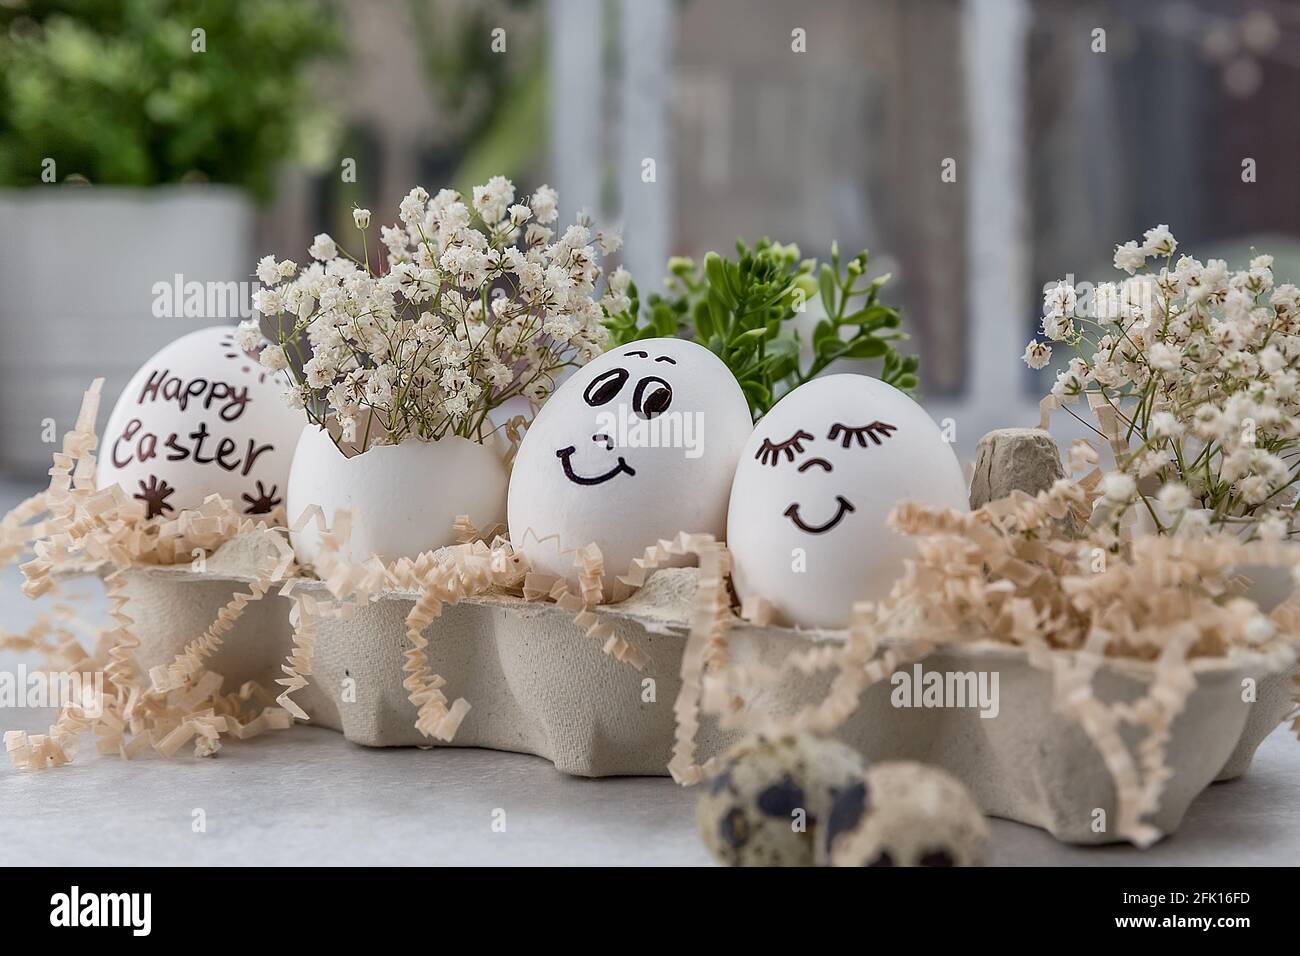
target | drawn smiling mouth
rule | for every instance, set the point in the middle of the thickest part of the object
(844, 508)
(564, 454)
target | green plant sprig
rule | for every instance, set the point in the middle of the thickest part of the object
(741, 309)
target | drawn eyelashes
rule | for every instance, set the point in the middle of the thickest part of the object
(875, 431)
(770, 454)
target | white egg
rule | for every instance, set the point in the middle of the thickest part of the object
(403, 499)
(813, 488)
(201, 417)
(636, 446)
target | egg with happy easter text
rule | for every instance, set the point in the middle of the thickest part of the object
(201, 417)
(637, 445)
(814, 486)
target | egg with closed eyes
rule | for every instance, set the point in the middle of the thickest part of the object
(814, 486)
(637, 445)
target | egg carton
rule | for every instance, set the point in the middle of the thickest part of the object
(538, 685)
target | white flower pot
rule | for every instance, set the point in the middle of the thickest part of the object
(78, 270)
(404, 499)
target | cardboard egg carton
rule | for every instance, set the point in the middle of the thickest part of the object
(538, 685)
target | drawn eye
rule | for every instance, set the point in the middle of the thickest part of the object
(605, 386)
(652, 396)
(875, 431)
(770, 454)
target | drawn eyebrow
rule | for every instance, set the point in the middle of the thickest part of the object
(820, 462)
(666, 358)
(639, 354)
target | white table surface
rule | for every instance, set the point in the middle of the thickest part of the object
(308, 796)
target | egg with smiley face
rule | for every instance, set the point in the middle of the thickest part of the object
(813, 488)
(637, 445)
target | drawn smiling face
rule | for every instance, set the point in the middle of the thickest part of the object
(806, 524)
(650, 397)
(637, 445)
(791, 448)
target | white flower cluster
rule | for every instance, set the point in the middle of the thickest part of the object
(477, 303)
(1201, 367)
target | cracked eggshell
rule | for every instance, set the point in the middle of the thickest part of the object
(815, 483)
(637, 445)
(404, 499)
(748, 811)
(201, 417)
(911, 814)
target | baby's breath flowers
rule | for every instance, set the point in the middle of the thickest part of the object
(1037, 354)
(476, 303)
(1193, 372)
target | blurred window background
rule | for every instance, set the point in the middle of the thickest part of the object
(1056, 150)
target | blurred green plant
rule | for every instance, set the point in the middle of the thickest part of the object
(744, 310)
(117, 91)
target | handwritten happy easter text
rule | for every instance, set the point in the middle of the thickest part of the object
(229, 402)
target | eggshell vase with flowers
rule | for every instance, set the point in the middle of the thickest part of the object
(405, 357)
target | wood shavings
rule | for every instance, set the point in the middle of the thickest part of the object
(83, 527)
(514, 434)
(422, 685)
(303, 618)
(705, 648)
(189, 662)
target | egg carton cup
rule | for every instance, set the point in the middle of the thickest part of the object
(538, 685)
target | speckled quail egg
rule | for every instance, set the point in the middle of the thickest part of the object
(764, 805)
(909, 814)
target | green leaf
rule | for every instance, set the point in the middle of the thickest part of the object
(826, 281)
(759, 395)
(705, 327)
(718, 311)
(825, 336)
(866, 348)
(715, 271)
(739, 356)
(874, 317)
(781, 367)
